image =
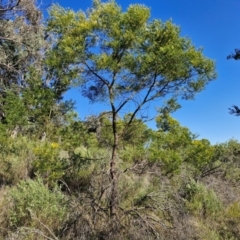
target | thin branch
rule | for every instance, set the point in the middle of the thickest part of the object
(9, 67)
(38, 232)
(124, 103)
(65, 184)
(10, 8)
(96, 75)
(211, 171)
(102, 192)
(48, 230)
(142, 165)
(144, 220)
(143, 101)
(9, 39)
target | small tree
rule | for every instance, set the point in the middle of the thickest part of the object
(124, 59)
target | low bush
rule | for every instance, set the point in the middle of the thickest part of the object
(33, 207)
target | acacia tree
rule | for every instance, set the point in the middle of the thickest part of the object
(124, 59)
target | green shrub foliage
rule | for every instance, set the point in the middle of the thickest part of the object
(33, 205)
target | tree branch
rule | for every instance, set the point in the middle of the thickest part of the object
(96, 75)
(10, 8)
(145, 100)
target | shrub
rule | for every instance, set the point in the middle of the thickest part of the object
(15, 160)
(34, 206)
(48, 163)
(202, 201)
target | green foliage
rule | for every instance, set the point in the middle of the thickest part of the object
(33, 205)
(136, 134)
(132, 154)
(14, 111)
(173, 145)
(22, 39)
(206, 233)
(202, 201)
(21, 47)
(169, 144)
(16, 159)
(229, 155)
(133, 55)
(200, 153)
(26, 91)
(228, 152)
(72, 133)
(48, 162)
(233, 210)
(136, 191)
(104, 132)
(81, 167)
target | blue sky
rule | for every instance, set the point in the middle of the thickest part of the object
(213, 25)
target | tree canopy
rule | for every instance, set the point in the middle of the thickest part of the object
(123, 56)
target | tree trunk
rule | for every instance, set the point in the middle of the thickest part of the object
(113, 171)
